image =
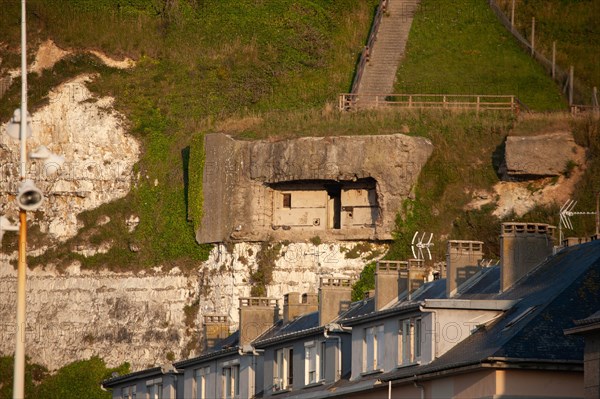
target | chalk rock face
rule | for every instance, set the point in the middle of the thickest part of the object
(99, 157)
(143, 318)
(541, 155)
(118, 316)
(337, 188)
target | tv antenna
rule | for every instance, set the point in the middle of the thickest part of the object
(566, 212)
(418, 244)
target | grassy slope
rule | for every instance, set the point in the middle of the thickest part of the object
(198, 62)
(459, 47)
(573, 24)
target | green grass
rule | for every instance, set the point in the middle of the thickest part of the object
(459, 47)
(572, 24)
(198, 62)
(272, 69)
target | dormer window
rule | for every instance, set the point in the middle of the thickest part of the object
(283, 376)
(129, 392)
(154, 388)
(374, 345)
(231, 381)
(409, 341)
(199, 383)
(311, 361)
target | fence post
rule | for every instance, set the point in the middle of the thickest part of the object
(477, 105)
(410, 101)
(571, 76)
(595, 96)
(553, 59)
(532, 35)
(512, 15)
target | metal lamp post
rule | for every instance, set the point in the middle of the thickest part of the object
(29, 198)
(19, 372)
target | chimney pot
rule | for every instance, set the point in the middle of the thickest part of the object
(334, 297)
(387, 281)
(295, 305)
(216, 328)
(257, 315)
(463, 259)
(522, 247)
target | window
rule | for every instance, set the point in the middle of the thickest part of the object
(154, 388)
(310, 363)
(322, 362)
(231, 382)
(200, 377)
(410, 336)
(129, 392)
(375, 348)
(283, 377)
(418, 339)
(287, 200)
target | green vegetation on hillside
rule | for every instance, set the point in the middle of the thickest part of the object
(197, 63)
(459, 47)
(77, 380)
(573, 24)
(271, 69)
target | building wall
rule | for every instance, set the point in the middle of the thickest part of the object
(172, 386)
(359, 208)
(488, 384)
(390, 331)
(248, 374)
(451, 326)
(591, 359)
(310, 206)
(308, 209)
(534, 383)
(299, 376)
(441, 330)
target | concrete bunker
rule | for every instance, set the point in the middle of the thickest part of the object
(337, 188)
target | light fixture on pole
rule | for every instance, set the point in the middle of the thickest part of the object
(29, 197)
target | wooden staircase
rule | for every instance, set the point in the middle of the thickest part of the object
(383, 58)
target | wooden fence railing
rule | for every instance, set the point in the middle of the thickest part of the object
(478, 103)
(366, 52)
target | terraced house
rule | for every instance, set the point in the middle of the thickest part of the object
(476, 331)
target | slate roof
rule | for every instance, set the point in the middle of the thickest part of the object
(308, 324)
(121, 379)
(432, 290)
(224, 347)
(594, 318)
(564, 288)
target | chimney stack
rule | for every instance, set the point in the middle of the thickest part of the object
(295, 305)
(522, 247)
(216, 328)
(412, 276)
(257, 315)
(335, 295)
(387, 284)
(462, 262)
